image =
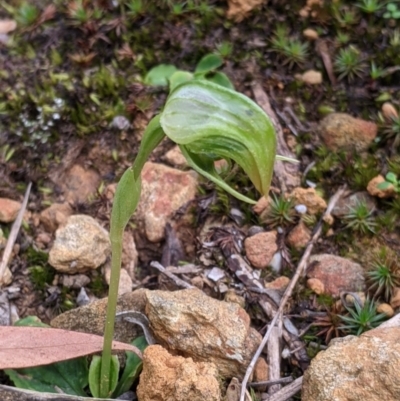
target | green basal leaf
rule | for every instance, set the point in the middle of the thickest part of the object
(208, 63)
(71, 377)
(159, 75)
(221, 79)
(95, 374)
(133, 367)
(179, 77)
(213, 122)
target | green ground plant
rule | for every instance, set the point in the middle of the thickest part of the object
(348, 63)
(291, 50)
(383, 276)
(392, 11)
(208, 122)
(370, 6)
(391, 180)
(361, 317)
(360, 218)
(281, 211)
(206, 69)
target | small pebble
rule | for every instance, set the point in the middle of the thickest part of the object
(216, 274)
(276, 262)
(82, 298)
(301, 209)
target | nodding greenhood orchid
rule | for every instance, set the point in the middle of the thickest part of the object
(208, 122)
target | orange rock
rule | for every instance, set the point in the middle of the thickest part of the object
(9, 210)
(169, 377)
(260, 248)
(310, 198)
(299, 236)
(316, 285)
(340, 131)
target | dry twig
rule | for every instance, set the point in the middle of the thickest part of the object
(5, 274)
(299, 272)
(287, 173)
(287, 391)
(176, 280)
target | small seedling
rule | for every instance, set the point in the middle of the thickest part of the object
(392, 130)
(376, 72)
(383, 277)
(361, 317)
(391, 180)
(290, 49)
(27, 15)
(330, 323)
(359, 218)
(224, 49)
(392, 11)
(281, 211)
(206, 69)
(369, 6)
(348, 63)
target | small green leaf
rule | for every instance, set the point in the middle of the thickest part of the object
(208, 63)
(396, 14)
(222, 79)
(391, 177)
(32, 321)
(133, 367)
(384, 185)
(95, 99)
(179, 77)
(159, 75)
(95, 375)
(391, 7)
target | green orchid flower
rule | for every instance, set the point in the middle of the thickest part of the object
(208, 122)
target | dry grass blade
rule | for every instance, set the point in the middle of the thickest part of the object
(299, 272)
(5, 274)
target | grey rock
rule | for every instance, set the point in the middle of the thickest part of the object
(81, 245)
(364, 368)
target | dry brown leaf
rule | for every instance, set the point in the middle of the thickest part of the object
(24, 347)
(7, 25)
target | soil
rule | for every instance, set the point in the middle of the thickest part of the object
(66, 75)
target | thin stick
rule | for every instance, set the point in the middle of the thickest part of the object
(299, 271)
(274, 359)
(287, 174)
(282, 380)
(176, 280)
(4, 277)
(287, 391)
